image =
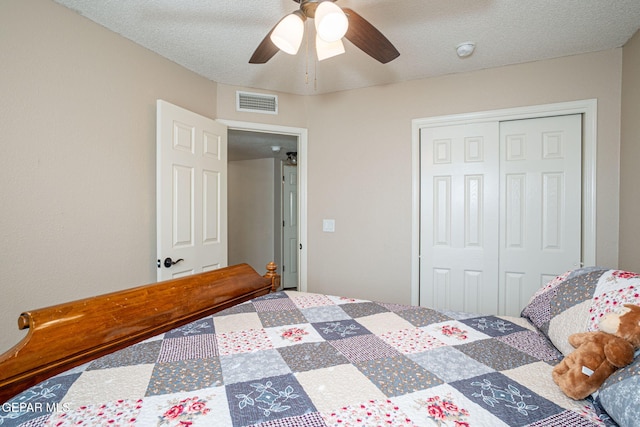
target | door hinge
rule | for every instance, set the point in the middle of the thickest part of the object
(283, 268)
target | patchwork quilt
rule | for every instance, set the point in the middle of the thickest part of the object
(303, 359)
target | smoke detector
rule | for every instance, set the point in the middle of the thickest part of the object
(465, 49)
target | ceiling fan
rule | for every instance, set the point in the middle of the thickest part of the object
(287, 34)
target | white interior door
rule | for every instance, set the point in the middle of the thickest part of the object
(500, 211)
(290, 226)
(191, 192)
(540, 212)
(459, 217)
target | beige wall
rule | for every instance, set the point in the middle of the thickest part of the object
(77, 130)
(360, 163)
(77, 127)
(629, 157)
(251, 211)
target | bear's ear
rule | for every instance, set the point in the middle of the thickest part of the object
(633, 307)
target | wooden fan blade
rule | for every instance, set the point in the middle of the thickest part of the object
(265, 50)
(368, 39)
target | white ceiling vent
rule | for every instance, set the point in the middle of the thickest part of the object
(256, 102)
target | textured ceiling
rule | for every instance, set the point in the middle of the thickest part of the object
(216, 38)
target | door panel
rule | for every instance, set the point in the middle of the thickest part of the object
(541, 204)
(459, 233)
(191, 192)
(290, 227)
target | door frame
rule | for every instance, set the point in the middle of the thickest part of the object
(588, 108)
(302, 135)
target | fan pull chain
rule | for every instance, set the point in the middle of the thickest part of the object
(306, 56)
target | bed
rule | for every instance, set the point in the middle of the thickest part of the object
(248, 355)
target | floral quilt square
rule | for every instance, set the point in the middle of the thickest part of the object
(340, 329)
(493, 326)
(454, 332)
(268, 399)
(444, 406)
(99, 414)
(369, 413)
(506, 399)
(243, 341)
(309, 356)
(204, 407)
(409, 341)
(287, 335)
(306, 300)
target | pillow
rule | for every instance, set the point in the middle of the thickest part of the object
(563, 306)
(619, 395)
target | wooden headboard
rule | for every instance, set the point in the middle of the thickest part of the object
(70, 334)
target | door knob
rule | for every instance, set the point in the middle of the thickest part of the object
(168, 262)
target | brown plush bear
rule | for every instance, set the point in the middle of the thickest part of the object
(599, 354)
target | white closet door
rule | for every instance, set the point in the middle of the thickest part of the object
(459, 217)
(500, 211)
(540, 212)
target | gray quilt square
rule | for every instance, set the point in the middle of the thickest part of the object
(184, 375)
(202, 326)
(340, 329)
(310, 356)
(396, 376)
(362, 309)
(508, 400)
(493, 326)
(139, 354)
(245, 366)
(496, 354)
(272, 319)
(421, 316)
(324, 313)
(267, 400)
(449, 364)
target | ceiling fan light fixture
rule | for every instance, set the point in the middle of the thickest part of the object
(330, 21)
(287, 35)
(326, 50)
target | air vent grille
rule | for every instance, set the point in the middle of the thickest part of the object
(256, 102)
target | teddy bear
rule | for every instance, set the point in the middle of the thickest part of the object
(597, 355)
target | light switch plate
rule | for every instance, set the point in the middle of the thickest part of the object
(329, 225)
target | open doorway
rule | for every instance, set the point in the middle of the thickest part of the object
(263, 197)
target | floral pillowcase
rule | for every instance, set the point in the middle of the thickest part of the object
(575, 302)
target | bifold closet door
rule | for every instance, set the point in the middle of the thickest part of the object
(541, 199)
(500, 211)
(459, 217)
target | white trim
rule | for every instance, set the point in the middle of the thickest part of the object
(588, 108)
(302, 135)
